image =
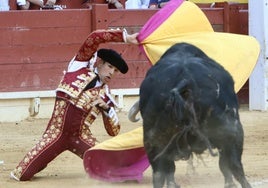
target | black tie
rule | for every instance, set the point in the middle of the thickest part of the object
(92, 83)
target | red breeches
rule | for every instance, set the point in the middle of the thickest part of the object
(65, 131)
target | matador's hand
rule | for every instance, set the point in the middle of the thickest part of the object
(101, 104)
(132, 38)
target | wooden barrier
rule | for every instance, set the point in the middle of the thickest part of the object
(37, 45)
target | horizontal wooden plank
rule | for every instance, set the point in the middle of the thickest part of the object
(124, 18)
(28, 77)
(137, 69)
(126, 83)
(22, 20)
(121, 18)
(41, 36)
(60, 53)
(37, 54)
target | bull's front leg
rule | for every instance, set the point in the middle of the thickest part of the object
(163, 171)
(171, 181)
(158, 179)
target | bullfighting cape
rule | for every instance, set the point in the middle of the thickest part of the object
(123, 157)
(118, 159)
(183, 21)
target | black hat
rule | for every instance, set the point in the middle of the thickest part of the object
(114, 59)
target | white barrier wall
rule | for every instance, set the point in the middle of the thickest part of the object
(258, 27)
(15, 110)
(18, 106)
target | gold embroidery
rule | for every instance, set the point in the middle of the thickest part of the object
(75, 88)
(48, 137)
(66, 88)
(87, 136)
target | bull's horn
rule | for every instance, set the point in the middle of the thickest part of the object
(134, 110)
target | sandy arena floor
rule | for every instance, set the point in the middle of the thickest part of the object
(67, 169)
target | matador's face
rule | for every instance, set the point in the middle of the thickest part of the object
(106, 71)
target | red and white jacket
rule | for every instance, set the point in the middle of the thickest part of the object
(80, 73)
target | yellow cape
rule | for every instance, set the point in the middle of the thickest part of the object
(238, 54)
(130, 140)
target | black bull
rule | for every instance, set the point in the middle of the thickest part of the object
(188, 104)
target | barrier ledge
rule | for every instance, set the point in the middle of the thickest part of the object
(27, 94)
(119, 93)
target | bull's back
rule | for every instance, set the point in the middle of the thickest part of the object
(154, 90)
(210, 82)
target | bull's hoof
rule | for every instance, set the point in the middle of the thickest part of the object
(173, 185)
(230, 185)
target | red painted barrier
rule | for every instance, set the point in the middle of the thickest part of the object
(36, 45)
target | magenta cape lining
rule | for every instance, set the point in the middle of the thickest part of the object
(116, 166)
